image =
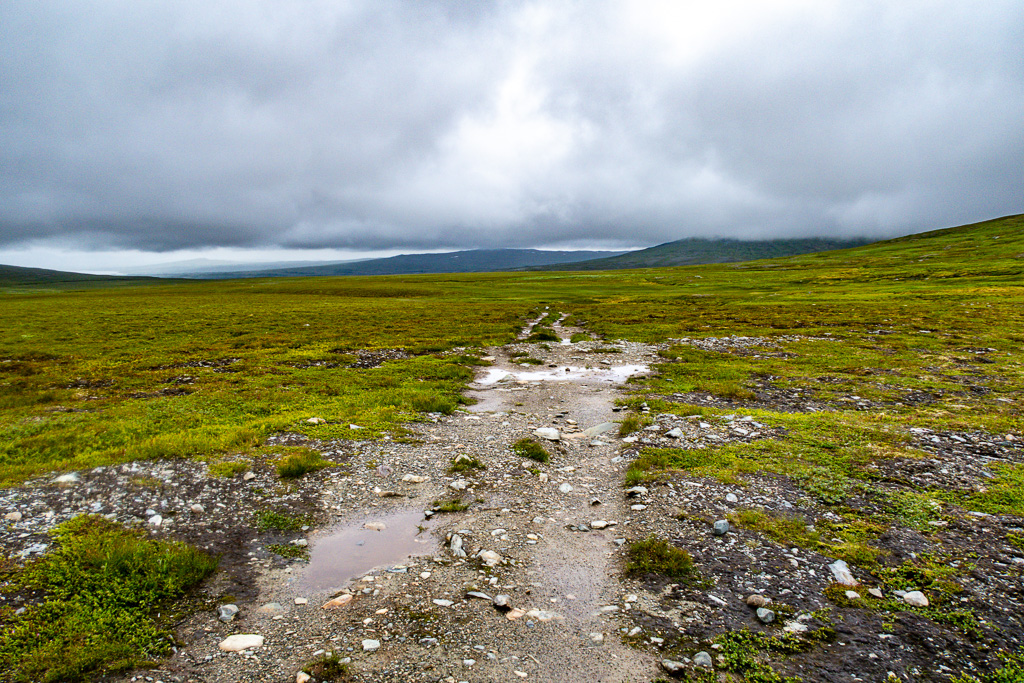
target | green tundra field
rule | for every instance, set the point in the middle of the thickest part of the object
(99, 375)
(924, 331)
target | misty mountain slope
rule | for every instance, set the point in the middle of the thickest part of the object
(696, 250)
(18, 275)
(471, 261)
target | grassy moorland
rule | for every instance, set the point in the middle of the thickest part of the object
(919, 332)
(98, 375)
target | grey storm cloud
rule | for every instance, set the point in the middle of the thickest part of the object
(376, 125)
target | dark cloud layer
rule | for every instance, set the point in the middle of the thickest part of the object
(375, 125)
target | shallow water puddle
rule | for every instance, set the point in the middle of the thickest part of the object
(615, 374)
(347, 552)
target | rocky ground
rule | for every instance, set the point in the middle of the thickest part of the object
(527, 581)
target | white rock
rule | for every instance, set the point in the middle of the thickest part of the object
(69, 478)
(674, 433)
(197, 508)
(339, 601)
(316, 420)
(241, 641)
(915, 599)
(549, 433)
(302, 677)
(248, 476)
(370, 645)
(458, 485)
(442, 603)
(301, 601)
(490, 558)
(415, 479)
(795, 627)
(841, 572)
(155, 520)
(565, 487)
(13, 516)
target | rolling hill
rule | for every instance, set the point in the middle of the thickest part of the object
(471, 261)
(696, 250)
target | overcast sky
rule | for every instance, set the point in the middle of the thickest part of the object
(133, 132)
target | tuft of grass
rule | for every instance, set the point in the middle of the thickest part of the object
(227, 469)
(632, 423)
(542, 335)
(846, 540)
(104, 590)
(466, 463)
(451, 505)
(327, 668)
(529, 361)
(654, 555)
(289, 550)
(267, 520)
(1011, 671)
(299, 462)
(580, 336)
(532, 449)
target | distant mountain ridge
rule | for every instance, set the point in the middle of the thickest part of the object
(470, 261)
(18, 275)
(698, 250)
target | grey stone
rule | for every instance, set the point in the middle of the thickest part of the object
(549, 433)
(636, 491)
(703, 659)
(915, 599)
(672, 666)
(226, 613)
(478, 595)
(721, 527)
(841, 571)
(602, 428)
(765, 615)
(503, 602)
(370, 645)
(674, 433)
(731, 498)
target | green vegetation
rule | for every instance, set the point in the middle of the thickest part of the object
(293, 552)
(228, 468)
(532, 449)
(267, 520)
(845, 540)
(466, 463)
(300, 461)
(1012, 671)
(327, 668)
(654, 555)
(451, 505)
(579, 336)
(529, 361)
(106, 593)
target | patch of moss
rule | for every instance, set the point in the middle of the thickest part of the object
(105, 587)
(532, 449)
(654, 555)
(466, 463)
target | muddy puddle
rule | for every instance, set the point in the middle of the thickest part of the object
(616, 374)
(347, 552)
